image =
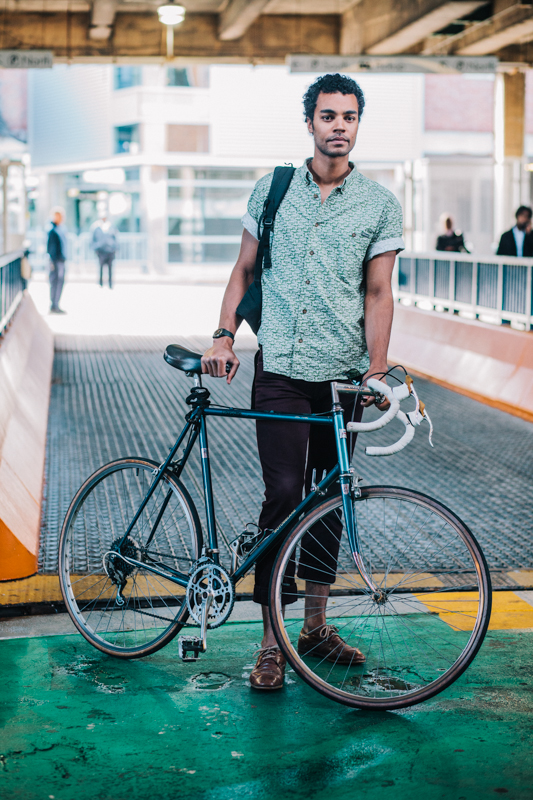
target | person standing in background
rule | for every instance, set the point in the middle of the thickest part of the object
(104, 242)
(450, 240)
(518, 241)
(57, 250)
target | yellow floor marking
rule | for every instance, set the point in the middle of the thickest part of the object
(45, 589)
(523, 577)
(459, 609)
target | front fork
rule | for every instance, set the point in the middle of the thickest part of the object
(347, 483)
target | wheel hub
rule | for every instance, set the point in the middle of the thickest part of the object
(379, 597)
(116, 567)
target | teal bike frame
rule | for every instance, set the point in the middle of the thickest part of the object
(196, 426)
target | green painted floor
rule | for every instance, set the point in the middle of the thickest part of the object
(76, 724)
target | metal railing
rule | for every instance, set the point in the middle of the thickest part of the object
(495, 289)
(11, 286)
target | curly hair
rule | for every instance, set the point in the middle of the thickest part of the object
(331, 84)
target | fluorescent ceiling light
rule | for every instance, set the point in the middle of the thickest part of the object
(171, 14)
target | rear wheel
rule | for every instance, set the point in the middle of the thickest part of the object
(422, 627)
(122, 609)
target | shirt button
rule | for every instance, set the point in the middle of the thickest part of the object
(304, 311)
(308, 282)
(354, 235)
(311, 252)
(300, 340)
(315, 196)
(317, 224)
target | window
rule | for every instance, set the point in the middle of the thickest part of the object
(174, 226)
(177, 77)
(222, 227)
(174, 174)
(225, 174)
(132, 174)
(127, 139)
(187, 138)
(126, 77)
(197, 75)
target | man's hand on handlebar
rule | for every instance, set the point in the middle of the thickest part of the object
(379, 373)
(219, 360)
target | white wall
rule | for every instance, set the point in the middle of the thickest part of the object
(69, 113)
(257, 112)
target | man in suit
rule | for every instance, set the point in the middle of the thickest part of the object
(518, 241)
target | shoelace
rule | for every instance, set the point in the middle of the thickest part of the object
(328, 630)
(265, 652)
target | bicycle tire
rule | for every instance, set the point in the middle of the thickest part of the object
(420, 603)
(155, 609)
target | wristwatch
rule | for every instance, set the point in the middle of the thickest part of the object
(220, 332)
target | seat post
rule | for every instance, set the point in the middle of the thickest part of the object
(197, 379)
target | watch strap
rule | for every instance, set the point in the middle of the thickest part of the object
(220, 332)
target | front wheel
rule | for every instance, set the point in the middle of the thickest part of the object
(421, 627)
(122, 609)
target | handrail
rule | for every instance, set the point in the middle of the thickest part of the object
(11, 286)
(495, 289)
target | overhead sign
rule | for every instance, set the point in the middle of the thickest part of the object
(394, 64)
(26, 59)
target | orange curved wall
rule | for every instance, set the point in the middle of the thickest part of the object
(26, 356)
(491, 363)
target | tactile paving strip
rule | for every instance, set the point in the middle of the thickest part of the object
(120, 398)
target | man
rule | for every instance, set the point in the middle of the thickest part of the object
(451, 240)
(518, 241)
(57, 250)
(104, 242)
(327, 309)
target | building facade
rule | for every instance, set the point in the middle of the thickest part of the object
(172, 153)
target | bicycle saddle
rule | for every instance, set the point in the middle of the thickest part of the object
(183, 359)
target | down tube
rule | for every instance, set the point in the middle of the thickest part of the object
(345, 479)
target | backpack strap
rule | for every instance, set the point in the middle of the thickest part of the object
(278, 189)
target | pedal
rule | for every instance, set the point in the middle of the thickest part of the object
(190, 644)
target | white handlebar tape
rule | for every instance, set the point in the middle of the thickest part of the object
(397, 446)
(390, 413)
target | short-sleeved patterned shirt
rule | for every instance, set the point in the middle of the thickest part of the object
(312, 324)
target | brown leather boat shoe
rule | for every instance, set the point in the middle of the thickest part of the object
(269, 671)
(326, 643)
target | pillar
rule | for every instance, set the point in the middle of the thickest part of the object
(510, 179)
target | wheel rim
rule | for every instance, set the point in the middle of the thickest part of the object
(420, 629)
(92, 572)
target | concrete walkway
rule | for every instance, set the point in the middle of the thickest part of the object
(77, 725)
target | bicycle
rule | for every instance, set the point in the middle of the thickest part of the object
(134, 566)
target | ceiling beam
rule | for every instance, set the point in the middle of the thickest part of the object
(102, 18)
(140, 38)
(513, 25)
(409, 35)
(237, 18)
(377, 26)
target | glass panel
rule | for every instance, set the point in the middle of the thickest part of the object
(463, 281)
(514, 289)
(422, 276)
(442, 279)
(487, 285)
(404, 274)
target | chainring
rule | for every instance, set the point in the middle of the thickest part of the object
(207, 577)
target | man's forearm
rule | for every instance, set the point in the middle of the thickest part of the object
(237, 286)
(379, 310)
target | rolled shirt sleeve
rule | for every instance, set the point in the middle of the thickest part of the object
(389, 232)
(256, 203)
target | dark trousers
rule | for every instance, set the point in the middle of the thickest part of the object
(57, 279)
(289, 452)
(106, 260)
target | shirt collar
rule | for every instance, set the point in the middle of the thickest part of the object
(310, 181)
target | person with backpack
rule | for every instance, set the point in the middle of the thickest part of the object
(104, 242)
(313, 279)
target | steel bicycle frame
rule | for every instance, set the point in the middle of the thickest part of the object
(197, 427)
